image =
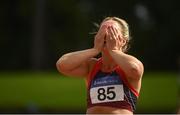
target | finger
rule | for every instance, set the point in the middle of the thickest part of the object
(110, 31)
(107, 36)
(100, 35)
(113, 35)
(102, 31)
(119, 34)
(120, 38)
(115, 31)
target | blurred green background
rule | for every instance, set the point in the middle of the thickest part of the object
(49, 92)
(35, 33)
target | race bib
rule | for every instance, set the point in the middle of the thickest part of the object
(109, 93)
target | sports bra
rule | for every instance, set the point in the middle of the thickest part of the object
(110, 89)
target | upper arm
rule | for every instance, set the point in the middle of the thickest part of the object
(133, 69)
(134, 74)
(137, 69)
(80, 71)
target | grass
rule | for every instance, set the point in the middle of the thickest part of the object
(41, 89)
(159, 93)
(52, 90)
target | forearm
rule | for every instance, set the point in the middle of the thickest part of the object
(129, 64)
(75, 59)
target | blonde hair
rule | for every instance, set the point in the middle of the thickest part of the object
(125, 30)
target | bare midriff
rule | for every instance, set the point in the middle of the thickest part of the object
(107, 110)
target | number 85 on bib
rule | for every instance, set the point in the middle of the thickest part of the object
(108, 93)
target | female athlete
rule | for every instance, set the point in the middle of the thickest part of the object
(114, 79)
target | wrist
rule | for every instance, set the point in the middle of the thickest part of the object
(96, 50)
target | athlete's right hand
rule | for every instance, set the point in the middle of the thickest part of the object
(100, 38)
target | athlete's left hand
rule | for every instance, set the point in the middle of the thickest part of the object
(114, 39)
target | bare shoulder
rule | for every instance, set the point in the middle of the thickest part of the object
(136, 68)
(140, 67)
(135, 74)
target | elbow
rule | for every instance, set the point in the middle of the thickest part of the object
(59, 66)
(136, 70)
